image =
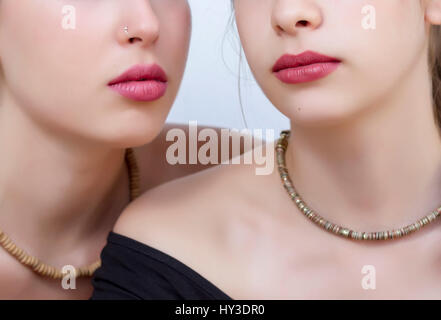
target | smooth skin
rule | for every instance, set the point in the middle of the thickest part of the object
(365, 153)
(63, 132)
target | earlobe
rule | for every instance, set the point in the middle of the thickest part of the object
(433, 12)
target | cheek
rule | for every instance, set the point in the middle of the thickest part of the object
(252, 18)
(392, 48)
(172, 49)
(55, 75)
(42, 61)
(32, 47)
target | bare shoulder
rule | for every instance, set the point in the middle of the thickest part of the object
(197, 209)
(219, 222)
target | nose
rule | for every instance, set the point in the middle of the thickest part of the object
(292, 16)
(139, 25)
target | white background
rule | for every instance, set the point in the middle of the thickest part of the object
(209, 92)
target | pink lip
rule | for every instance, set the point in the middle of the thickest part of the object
(305, 67)
(141, 83)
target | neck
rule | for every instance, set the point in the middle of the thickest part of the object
(52, 185)
(376, 171)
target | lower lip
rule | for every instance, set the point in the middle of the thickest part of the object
(149, 90)
(307, 73)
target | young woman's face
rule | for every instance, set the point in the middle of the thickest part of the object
(58, 77)
(372, 61)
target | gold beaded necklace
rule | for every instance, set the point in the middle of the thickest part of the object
(281, 146)
(43, 269)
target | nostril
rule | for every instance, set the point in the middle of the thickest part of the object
(134, 39)
(302, 23)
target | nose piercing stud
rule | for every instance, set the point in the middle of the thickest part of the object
(126, 30)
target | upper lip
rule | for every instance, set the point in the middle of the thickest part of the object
(141, 72)
(305, 58)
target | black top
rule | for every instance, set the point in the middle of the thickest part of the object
(133, 270)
